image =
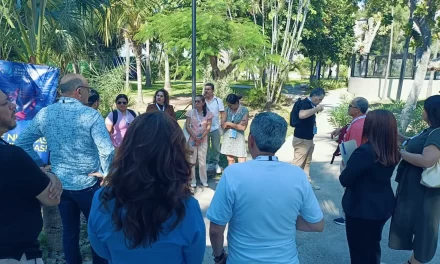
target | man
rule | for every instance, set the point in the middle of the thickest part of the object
(215, 105)
(264, 201)
(79, 144)
(357, 110)
(94, 99)
(23, 187)
(306, 130)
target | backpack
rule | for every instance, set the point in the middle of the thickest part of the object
(115, 115)
(294, 114)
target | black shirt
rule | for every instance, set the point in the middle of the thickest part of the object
(368, 193)
(304, 130)
(21, 180)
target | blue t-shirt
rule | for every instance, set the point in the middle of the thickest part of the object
(261, 200)
(185, 244)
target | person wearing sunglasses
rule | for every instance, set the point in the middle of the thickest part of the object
(161, 102)
(118, 120)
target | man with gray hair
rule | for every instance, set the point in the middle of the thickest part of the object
(79, 146)
(264, 201)
(357, 109)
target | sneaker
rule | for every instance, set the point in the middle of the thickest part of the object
(218, 169)
(339, 221)
(204, 184)
(315, 187)
(193, 185)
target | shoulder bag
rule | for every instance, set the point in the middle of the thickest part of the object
(431, 176)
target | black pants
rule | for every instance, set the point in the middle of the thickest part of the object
(364, 239)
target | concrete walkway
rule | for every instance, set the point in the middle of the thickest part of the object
(329, 247)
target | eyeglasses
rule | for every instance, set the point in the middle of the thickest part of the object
(85, 87)
(121, 102)
(351, 106)
(197, 101)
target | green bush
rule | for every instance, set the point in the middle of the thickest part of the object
(338, 116)
(109, 84)
(328, 84)
(256, 98)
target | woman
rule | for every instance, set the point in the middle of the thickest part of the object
(234, 123)
(118, 120)
(146, 210)
(415, 223)
(198, 125)
(94, 99)
(368, 200)
(161, 102)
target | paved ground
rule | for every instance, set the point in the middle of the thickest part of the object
(329, 247)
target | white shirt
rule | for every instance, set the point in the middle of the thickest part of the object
(215, 106)
(261, 200)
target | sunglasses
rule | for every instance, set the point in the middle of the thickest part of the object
(197, 101)
(120, 102)
(351, 106)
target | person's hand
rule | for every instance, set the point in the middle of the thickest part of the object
(96, 174)
(198, 141)
(55, 187)
(319, 108)
(336, 132)
(222, 260)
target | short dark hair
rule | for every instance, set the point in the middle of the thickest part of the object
(94, 96)
(233, 98)
(166, 96)
(121, 96)
(148, 183)
(380, 130)
(318, 91)
(362, 104)
(432, 109)
(269, 131)
(210, 85)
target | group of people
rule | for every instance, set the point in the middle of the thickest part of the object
(143, 209)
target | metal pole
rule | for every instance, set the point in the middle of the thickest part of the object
(193, 51)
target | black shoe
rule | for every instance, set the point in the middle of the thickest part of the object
(339, 221)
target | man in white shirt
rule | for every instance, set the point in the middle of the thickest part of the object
(215, 105)
(264, 201)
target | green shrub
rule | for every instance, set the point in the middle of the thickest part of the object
(109, 83)
(338, 116)
(256, 98)
(328, 84)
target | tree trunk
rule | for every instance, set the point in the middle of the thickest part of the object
(177, 70)
(75, 67)
(432, 75)
(148, 82)
(419, 78)
(127, 64)
(53, 228)
(337, 71)
(167, 84)
(138, 53)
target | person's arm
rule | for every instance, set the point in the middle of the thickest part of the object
(223, 120)
(221, 108)
(220, 213)
(109, 123)
(242, 125)
(360, 160)
(429, 157)
(401, 138)
(311, 218)
(208, 128)
(103, 143)
(44, 196)
(28, 137)
(195, 252)
(172, 113)
(306, 113)
(188, 126)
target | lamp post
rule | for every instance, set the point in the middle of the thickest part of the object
(193, 52)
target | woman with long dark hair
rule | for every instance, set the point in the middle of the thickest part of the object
(415, 223)
(198, 125)
(234, 122)
(368, 200)
(146, 211)
(161, 103)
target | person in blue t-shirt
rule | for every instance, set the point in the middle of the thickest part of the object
(264, 201)
(146, 211)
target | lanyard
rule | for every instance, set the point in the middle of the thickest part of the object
(313, 105)
(352, 122)
(125, 116)
(266, 158)
(158, 108)
(233, 116)
(406, 141)
(198, 117)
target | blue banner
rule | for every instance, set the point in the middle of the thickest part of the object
(30, 87)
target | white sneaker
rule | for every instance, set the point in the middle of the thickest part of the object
(193, 185)
(218, 169)
(204, 184)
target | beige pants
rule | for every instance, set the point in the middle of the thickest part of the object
(200, 154)
(23, 260)
(302, 156)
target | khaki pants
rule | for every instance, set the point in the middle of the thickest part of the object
(200, 154)
(23, 260)
(302, 156)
